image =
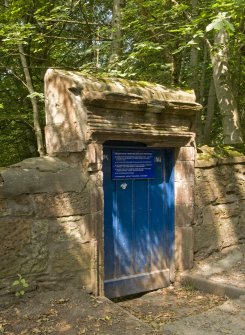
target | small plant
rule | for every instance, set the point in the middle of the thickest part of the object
(189, 287)
(20, 284)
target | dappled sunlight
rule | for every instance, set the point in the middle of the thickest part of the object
(59, 210)
(137, 232)
(64, 115)
(219, 222)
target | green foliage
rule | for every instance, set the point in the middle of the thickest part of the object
(159, 40)
(221, 151)
(20, 286)
(40, 96)
(221, 22)
(189, 287)
(63, 35)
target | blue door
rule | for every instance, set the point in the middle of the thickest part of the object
(139, 219)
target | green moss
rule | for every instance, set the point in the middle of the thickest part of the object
(107, 79)
(205, 152)
(203, 157)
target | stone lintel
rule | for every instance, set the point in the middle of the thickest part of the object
(166, 139)
(131, 102)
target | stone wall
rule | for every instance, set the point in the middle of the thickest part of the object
(219, 205)
(50, 215)
(51, 219)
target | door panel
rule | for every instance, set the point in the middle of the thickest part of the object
(141, 222)
(139, 219)
(124, 232)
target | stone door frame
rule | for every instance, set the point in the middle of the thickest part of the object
(184, 209)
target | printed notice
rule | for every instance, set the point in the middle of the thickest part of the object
(132, 164)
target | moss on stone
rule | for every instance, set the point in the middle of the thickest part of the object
(107, 79)
(222, 151)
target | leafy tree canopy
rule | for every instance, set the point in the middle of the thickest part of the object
(164, 41)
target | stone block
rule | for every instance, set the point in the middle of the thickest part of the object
(209, 192)
(70, 257)
(21, 205)
(227, 233)
(186, 154)
(216, 235)
(94, 266)
(183, 248)
(225, 211)
(94, 157)
(41, 175)
(60, 281)
(218, 227)
(101, 252)
(219, 207)
(63, 204)
(73, 229)
(64, 137)
(24, 246)
(205, 240)
(184, 214)
(98, 221)
(96, 198)
(184, 171)
(101, 281)
(184, 192)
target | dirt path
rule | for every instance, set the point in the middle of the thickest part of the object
(70, 312)
(170, 304)
(170, 311)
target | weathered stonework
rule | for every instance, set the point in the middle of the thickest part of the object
(47, 226)
(219, 205)
(184, 207)
(81, 109)
(52, 208)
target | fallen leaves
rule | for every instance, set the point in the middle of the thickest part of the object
(62, 301)
(88, 315)
(3, 324)
(169, 306)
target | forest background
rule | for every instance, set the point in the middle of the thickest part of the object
(190, 44)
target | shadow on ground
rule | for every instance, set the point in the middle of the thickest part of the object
(169, 311)
(169, 304)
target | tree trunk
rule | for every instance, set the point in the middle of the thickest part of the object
(194, 80)
(225, 95)
(38, 131)
(210, 113)
(203, 76)
(116, 36)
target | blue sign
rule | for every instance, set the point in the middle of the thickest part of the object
(132, 164)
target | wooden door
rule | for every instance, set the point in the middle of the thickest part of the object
(139, 219)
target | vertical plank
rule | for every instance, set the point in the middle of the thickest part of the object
(124, 238)
(157, 220)
(141, 223)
